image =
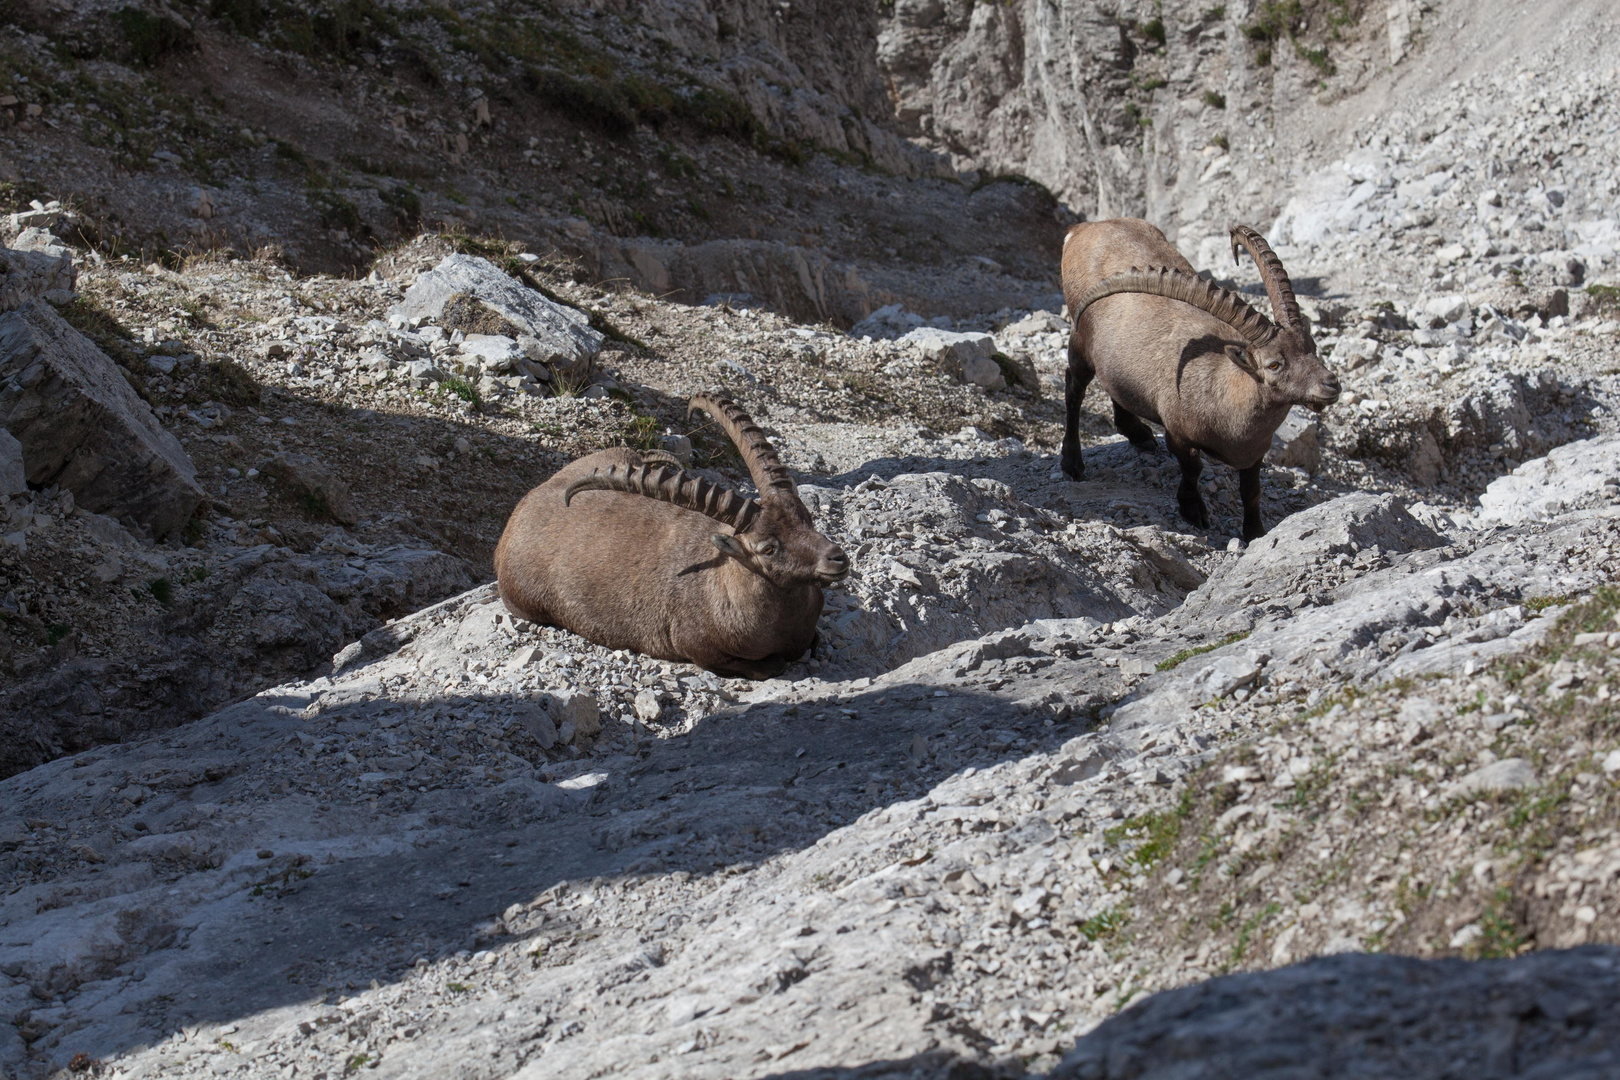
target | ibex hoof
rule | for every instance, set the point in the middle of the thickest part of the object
(1195, 513)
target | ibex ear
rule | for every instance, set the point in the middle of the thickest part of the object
(730, 545)
(1243, 359)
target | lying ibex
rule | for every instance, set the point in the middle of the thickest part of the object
(632, 552)
(1175, 349)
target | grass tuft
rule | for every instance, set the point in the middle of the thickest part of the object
(1187, 654)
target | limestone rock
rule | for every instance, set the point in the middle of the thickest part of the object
(1284, 561)
(320, 490)
(494, 353)
(648, 706)
(563, 333)
(13, 479)
(577, 708)
(1509, 774)
(30, 275)
(1546, 486)
(948, 348)
(1350, 353)
(1297, 443)
(983, 371)
(537, 723)
(82, 428)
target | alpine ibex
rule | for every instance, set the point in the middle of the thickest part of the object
(632, 552)
(1184, 353)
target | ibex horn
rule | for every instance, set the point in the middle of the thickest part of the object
(770, 475)
(669, 484)
(1224, 304)
(1281, 291)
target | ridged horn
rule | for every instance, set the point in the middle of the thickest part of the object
(770, 475)
(1224, 304)
(1284, 308)
(669, 484)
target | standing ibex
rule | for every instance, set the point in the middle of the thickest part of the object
(635, 553)
(1175, 349)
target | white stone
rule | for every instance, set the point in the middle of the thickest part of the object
(1509, 774)
(561, 332)
(1448, 309)
(495, 353)
(949, 347)
(1353, 352)
(983, 371)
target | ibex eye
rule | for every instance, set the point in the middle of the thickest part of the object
(767, 548)
(1275, 365)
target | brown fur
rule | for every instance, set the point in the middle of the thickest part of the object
(630, 572)
(1168, 362)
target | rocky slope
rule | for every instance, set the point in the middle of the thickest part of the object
(287, 793)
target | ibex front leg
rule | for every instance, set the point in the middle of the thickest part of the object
(1187, 496)
(1249, 491)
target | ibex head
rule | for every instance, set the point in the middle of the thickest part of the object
(1280, 356)
(772, 536)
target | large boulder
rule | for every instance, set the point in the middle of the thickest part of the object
(1555, 1013)
(1288, 560)
(26, 276)
(82, 428)
(1572, 475)
(564, 333)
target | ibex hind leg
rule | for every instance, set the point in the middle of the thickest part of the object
(1079, 377)
(1135, 429)
(738, 667)
(1187, 496)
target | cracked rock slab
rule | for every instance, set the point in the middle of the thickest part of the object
(82, 428)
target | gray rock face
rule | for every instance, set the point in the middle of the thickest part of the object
(1300, 553)
(82, 428)
(1368, 1015)
(13, 478)
(563, 333)
(948, 347)
(30, 275)
(863, 858)
(1568, 477)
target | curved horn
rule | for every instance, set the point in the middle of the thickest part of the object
(1224, 304)
(1281, 291)
(669, 484)
(770, 476)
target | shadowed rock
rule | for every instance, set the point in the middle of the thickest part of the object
(82, 428)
